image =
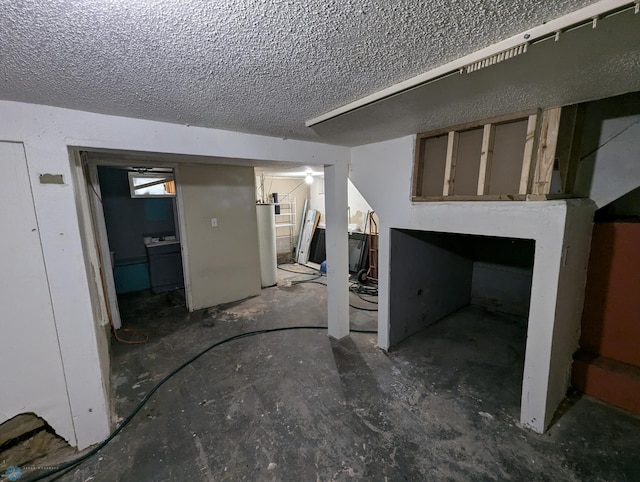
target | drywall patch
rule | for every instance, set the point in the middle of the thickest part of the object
(51, 179)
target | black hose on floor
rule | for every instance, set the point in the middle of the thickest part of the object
(358, 291)
(313, 280)
(297, 272)
(364, 299)
(309, 280)
(361, 308)
(125, 422)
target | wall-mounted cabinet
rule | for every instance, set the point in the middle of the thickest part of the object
(526, 156)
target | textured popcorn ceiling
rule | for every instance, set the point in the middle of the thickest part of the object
(259, 66)
(584, 64)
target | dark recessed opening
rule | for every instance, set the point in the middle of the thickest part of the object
(466, 298)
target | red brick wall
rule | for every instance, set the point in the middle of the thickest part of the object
(611, 316)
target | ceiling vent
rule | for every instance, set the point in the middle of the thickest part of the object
(496, 58)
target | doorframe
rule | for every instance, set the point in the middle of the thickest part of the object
(102, 243)
(182, 227)
(92, 205)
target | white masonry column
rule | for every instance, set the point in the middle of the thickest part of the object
(337, 244)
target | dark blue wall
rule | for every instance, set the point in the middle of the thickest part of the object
(130, 220)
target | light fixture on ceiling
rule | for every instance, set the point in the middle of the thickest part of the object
(309, 177)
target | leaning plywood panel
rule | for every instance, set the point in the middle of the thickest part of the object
(310, 223)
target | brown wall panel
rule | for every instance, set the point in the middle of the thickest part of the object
(611, 315)
(434, 155)
(508, 151)
(468, 162)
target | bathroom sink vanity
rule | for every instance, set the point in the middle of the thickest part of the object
(165, 265)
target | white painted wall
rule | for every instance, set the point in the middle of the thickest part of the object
(610, 150)
(267, 251)
(224, 262)
(337, 251)
(358, 205)
(47, 133)
(297, 189)
(576, 245)
(316, 197)
(31, 372)
(383, 171)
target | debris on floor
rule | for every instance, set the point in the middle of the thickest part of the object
(297, 405)
(24, 440)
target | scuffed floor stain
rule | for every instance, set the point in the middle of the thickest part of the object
(248, 310)
(296, 405)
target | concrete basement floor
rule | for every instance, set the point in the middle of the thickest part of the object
(297, 406)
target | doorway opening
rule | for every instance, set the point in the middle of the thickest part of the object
(140, 215)
(136, 223)
(466, 298)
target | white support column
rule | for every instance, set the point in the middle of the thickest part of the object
(384, 263)
(337, 244)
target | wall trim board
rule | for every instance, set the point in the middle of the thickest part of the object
(94, 276)
(102, 244)
(184, 245)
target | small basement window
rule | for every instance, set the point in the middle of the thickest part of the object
(152, 184)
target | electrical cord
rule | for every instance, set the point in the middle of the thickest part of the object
(145, 399)
(297, 282)
(355, 288)
(142, 334)
(364, 299)
(364, 289)
(357, 293)
(313, 280)
(296, 272)
(362, 309)
(615, 136)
